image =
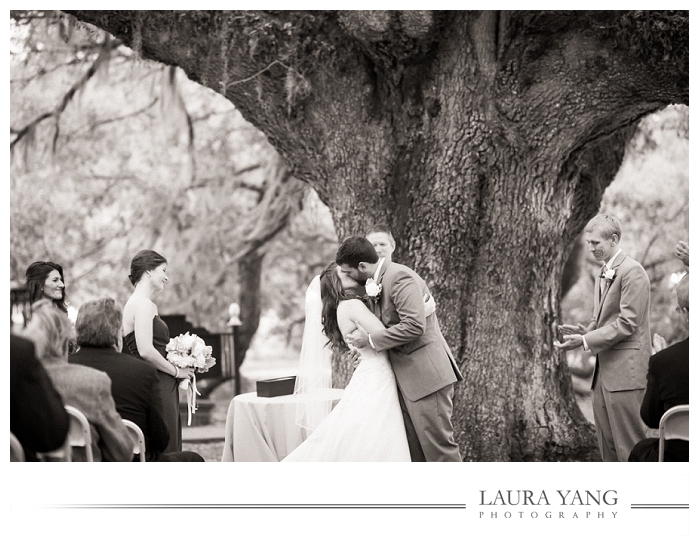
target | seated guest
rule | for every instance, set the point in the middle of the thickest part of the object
(37, 416)
(135, 384)
(668, 386)
(85, 388)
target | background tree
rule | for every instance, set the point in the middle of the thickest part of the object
(111, 156)
(485, 139)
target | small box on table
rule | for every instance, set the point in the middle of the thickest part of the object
(274, 387)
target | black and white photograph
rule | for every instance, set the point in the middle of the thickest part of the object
(351, 241)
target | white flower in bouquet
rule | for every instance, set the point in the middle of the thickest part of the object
(202, 355)
(189, 350)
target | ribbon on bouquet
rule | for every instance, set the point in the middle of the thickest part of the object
(191, 388)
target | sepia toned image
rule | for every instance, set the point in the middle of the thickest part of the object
(344, 236)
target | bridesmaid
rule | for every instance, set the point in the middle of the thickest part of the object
(146, 335)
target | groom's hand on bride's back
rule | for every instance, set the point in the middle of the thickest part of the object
(358, 338)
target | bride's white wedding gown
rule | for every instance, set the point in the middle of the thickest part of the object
(366, 425)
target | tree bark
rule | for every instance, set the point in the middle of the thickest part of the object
(249, 275)
(484, 139)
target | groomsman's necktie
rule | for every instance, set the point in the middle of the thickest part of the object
(602, 281)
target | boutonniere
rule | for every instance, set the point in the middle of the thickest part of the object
(609, 275)
(372, 288)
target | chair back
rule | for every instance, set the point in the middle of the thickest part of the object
(78, 435)
(139, 441)
(79, 432)
(16, 450)
(674, 424)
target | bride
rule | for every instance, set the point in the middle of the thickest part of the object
(367, 424)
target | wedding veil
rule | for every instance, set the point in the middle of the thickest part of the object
(315, 364)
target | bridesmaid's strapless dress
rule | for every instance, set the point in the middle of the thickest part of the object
(169, 385)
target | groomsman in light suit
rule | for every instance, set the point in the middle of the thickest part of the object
(619, 335)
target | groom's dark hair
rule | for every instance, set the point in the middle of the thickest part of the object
(354, 250)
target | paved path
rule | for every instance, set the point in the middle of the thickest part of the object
(195, 434)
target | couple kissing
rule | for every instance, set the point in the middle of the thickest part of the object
(398, 404)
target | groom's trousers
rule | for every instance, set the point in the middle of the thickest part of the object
(428, 426)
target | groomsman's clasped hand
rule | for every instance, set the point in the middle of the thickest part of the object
(572, 336)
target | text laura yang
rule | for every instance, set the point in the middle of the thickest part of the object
(555, 497)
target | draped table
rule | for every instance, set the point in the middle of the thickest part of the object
(264, 429)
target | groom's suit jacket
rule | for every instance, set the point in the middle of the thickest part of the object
(419, 354)
(619, 333)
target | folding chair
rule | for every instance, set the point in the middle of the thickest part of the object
(16, 450)
(139, 441)
(674, 424)
(78, 435)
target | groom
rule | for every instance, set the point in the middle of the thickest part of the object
(424, 367)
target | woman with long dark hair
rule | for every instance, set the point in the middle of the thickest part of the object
(45, 280)
(146, 335)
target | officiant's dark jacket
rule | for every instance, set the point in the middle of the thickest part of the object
(135, 390)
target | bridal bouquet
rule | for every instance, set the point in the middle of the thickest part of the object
(188, 350)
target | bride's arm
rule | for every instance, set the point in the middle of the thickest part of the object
(351, 313)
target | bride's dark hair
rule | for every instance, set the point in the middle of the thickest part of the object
(331, 293)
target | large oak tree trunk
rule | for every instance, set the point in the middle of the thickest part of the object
(249, 273)
(484, 139)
